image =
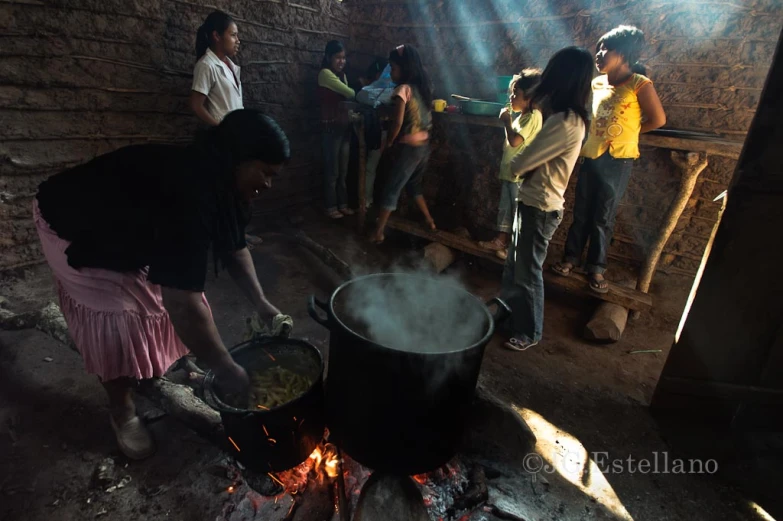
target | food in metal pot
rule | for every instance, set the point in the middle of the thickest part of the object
(275, 386)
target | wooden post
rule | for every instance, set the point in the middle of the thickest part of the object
(609, 319)
(438, 256)
(691, 165)
(608, 323)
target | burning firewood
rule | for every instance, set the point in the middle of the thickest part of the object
(476, 493)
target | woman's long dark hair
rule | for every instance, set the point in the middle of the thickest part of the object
(216, 21)
(565, 83)
(413, 73)
(332, 48)
(243, 135)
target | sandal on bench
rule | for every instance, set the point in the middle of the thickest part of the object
(598, 285)
(562, 269)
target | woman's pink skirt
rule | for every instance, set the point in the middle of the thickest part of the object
(117, 320)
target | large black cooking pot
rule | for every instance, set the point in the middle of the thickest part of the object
(401, 408)
(282, 437)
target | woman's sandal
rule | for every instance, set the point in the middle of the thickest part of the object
(599, 286)
(134, 439)
(562, 269)
(494, 245)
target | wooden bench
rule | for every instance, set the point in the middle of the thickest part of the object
(575, 283)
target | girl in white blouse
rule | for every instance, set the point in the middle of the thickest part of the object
(545, 167)
(216, 87)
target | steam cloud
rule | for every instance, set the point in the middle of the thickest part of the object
(413, 312)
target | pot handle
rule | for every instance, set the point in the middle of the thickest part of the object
(503, 311)
(313, 312)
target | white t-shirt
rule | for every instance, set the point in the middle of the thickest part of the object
(213, 78)
(550, 158)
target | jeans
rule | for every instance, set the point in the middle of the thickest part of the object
(371, 169)
(523, 274)
(407, 171)
(336, 148)
(507, 206)
(599, 190)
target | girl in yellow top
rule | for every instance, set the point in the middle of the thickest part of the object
(625, 104)
(520, 130)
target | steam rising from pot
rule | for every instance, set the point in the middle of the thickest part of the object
(413, 312)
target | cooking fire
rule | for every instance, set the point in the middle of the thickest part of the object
(329, 487)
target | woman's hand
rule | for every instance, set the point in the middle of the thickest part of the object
(197, 101)
(231, 377)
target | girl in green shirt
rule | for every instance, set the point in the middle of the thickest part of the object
(520, 130)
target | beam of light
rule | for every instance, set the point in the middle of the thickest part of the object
(760, 512)
(700, 272)
(568, 457)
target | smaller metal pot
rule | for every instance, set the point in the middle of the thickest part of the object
(285, 436)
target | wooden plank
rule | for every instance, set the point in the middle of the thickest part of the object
(723, 148)
(576, 282)
(712, 146)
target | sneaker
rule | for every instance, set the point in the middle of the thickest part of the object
(134, 439)
(346, 211)
(334, 214)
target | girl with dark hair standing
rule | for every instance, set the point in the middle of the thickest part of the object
(407, 142)
(216, 89)
(127, 236)
(520, 129)
(544, 166)
(625, 105)
(332, 89)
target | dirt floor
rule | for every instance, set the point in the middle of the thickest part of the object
(585, 402)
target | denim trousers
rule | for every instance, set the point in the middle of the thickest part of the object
(335, 144)
(523, 273)
(507, 206)
(406, 171)
(599, 190)
(371, 170)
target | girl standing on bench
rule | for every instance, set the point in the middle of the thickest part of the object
(407, 144)
(625, 104)
(520, 131)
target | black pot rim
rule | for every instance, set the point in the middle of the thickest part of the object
(224, 408)
(482, 341)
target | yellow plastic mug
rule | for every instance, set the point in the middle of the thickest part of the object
(439, 105)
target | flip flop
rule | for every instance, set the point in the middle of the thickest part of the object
(599, 286)
(493, 245)
(560, 269)
(516, 344)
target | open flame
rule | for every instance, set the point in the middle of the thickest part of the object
(323, 462)
(326, 460)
